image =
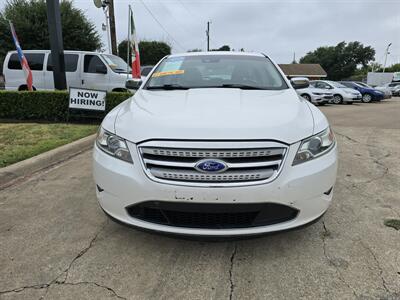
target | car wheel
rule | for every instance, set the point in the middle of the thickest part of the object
(337, 99)
(307, 97)
(366, 98)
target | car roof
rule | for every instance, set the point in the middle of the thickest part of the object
(231, 53)
(65, 51)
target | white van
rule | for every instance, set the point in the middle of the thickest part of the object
(89, 70)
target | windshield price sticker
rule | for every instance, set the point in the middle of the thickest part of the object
(168, 73)
(87, 99)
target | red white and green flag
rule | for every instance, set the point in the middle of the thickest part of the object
(134, 45)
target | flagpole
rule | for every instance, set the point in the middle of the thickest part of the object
(128, 42)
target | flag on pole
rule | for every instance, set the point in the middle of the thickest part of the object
(22, 59)
(133, 43)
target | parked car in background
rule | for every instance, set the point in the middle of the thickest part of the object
(384, 89)
(396, 90)
(394, 87)
(368, 94)
(83, 69)
(315, 95)
(341, 94)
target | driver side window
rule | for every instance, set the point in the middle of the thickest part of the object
(323, 85)
(91, 63)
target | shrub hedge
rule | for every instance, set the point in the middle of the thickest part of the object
(49, 106)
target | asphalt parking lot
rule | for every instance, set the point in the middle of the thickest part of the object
(56, 243)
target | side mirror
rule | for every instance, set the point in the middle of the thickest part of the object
(133, 84)
(300, 83)
(101, 69)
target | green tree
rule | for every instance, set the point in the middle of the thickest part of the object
(340, 61)
(195, 50)
(30, 22)
(393, 68)
(223, 48)
(150, 51)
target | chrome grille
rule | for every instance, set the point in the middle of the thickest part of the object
(244, 165)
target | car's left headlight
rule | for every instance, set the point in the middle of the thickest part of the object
(113, 145)
(315, 146)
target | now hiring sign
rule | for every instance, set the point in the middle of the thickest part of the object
(87, 99)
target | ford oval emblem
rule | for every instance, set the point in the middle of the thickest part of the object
(211, 166)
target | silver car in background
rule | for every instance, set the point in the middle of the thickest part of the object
(315, 95)
(394, 87)
(341, 93)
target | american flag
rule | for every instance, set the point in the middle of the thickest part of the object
(22, 59)
(132, 42)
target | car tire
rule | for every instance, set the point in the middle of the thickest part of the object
(366, 98)
(307, 97)
(337, 99)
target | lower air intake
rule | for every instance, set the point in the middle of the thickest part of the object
(212, 215)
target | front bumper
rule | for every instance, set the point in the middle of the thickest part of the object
(303, 187)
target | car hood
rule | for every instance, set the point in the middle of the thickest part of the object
(215, 114)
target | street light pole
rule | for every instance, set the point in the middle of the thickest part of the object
(386, 55)
(208, 36)
(105, 10)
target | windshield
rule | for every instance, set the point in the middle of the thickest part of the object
(364, 85)
(337, 84)
(216, 71)
(116, 63)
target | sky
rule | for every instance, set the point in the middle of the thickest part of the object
(276, 28)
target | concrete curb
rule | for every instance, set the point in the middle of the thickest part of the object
(21, 169)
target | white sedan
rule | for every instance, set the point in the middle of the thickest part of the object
(341, 93)
(315, 95)
(215, 144)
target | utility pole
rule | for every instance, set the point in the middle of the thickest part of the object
(386, 55)
(208, 35)
(56, 44)
(112, 27)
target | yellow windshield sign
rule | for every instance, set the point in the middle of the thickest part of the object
(168, 73)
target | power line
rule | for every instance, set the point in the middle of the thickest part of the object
(189, 11)
(159, 23)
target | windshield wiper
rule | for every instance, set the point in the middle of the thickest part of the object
(240, 86)
(167, 87)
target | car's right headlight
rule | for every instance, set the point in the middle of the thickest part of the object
(113, 145)
(315, 146)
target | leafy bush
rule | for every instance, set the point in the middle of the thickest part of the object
(49, 106)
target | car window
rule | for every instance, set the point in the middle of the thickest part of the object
(71, 62)
(91, 62)
(146, 70)
(202, 71)
(322, 85)
(35, 61)
(337, 84)
(116, 63)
